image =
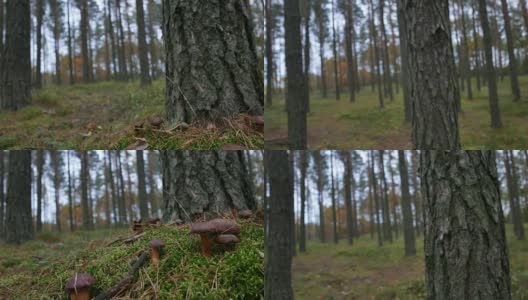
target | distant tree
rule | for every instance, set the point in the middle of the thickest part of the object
(347, 163)
(408, 230)
(86, 220)
(333, 192)
(234, 66)
(70, 197)
(321, 31)
(83, 6)
(374, 44)
(40, 172)
(464, 226)
(142, 190)
(512, 60)
(142, 44)
(40, 17)
(153, 16)
(277, 276)
(123, 71)
(374, 183)
(334, 49)
(2, 176)
(57, 163)
(70, 47)
(19, 223)
(303, 165)
(15, 70)
(404, 55)
(112, 187)
(122, 198)
(57, 13)
(320, 167)
(387, 229)
(512, 181)
(269, 53)
(153, 190)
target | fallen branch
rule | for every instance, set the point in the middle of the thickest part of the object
(135, 237)
(126, 281)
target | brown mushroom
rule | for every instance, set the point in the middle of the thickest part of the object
(155, 250)
(226, 239)
(155, 122)
(245, 214)
(79, 286)
(213, 227)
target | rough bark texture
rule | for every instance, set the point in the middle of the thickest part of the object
(142, 41)
(465, 244)
(15, 67)
(212, 66)
(408, 230)
(195, 182)
(277, 278)
(142, 189)
(19, 224)
(303, 167)
(511, 52)
(433, 84)
(296, 83)
(491, 76)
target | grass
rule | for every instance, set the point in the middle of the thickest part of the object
(366, 271)
(39, 269)
(103, 116)
(362, 125)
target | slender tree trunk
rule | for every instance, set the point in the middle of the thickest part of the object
(2, 176)
(347, 163)
(464, 226)
(277, 276)
(303, 166)
(112, 38)
(19, 224)
(56, 36)
(153, 41)
(334, 216)
(387, 227)
(385, 52)
(334, 48)
(154, 206)
(371, 201)
(84, 191)
(394, 201)
(55, 161)
(465, 46)
(511, 52)
(349, 24)
(476, 48)
(408, 230)
(123, 199)
(142, 43)
(490, 70)
(1, 36)
(15, 68)
(130, 47)
(216, 182)
(40, 16)
(374, 36)
(70, 49)
(269, 54)
(107, 46)
(376, 200)
(432, 76)
(142, 190)
(84, 40)
(307, 48)
(234, 66)
(40, 172)
(513, 188)
(121, 42)
(417, 198)
(70, 196)
(112, 187)
(107, 194)
(524, 11)
(404, 48)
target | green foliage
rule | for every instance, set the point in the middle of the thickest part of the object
(183, 272)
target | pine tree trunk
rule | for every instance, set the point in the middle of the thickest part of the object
(54, 155)
(112, 187)
(334, 48)
(387, 229)
(56, 35)
(307, 49)
(513, 193)
(84, 40)
(122, 200)
(121, 42)
(303, 167)
(112, 38)
(347, 163)
(215, 182)
(277, 279)
(374, 37)
(373, 180)
(408, 230)
(433, 83)
(70, 49)
(402, 29)
(385, 52)
(491, 76)
(19, 224)
(269, 54)
(465, 243)
(349, 24)
(334, 217)
(15, 68)
(131, 51)
(40, 172)
(84, 191)
(417, 198)
(217, 75)
(70, 196)
(40, 16)
(476, 48)
(154, 206)
(465, 46)
(2, 171)
(107, 194)
(142, 189)
(511, 52)
(154, 56)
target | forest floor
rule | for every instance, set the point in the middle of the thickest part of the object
(362, 125)
(40, 268)
(366, 271)
(105, 115)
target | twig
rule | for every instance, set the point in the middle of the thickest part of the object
(153, 286)
(132, 239)
(119, 239)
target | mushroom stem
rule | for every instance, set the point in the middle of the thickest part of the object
(82, 294)
(155, 255)
(206, 245)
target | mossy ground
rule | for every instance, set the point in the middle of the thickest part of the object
(62, 117)
(362, 125)
(366, 271)
(40, 269)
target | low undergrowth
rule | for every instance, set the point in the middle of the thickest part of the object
(183, 273)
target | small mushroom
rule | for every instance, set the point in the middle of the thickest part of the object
(155, 250)
(155, 122)
(79, 286)
(226, 239)
(245, 214)
(213, 227)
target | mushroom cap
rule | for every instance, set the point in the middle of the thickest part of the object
(226, 239)
(222, 226)
(156, 243)
(155, 121)
(80, 281)
(245, 213)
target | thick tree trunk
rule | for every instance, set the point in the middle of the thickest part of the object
(490, 69)
(408, 230)
(84, 191)
(465, 243)
(19, 224)
(402, 29)
(142, 41)
(15, 68)
(278, 265)
(433, 84)
(511, 52)
(197, 182)
(296, 89)
(216, 75)
(303, 167)
(142, 188)
(40, 172)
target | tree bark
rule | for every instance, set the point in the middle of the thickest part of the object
(84, 40)
(303, 166)
(514, 192)
(142, 189)
(373, 181)
(490, 69)
(55, 6)
(374, 38)
(2, 176)
(334, 48)
(122, 200)
(514, 80)
(465, 243)
(123, 72)
(387, 227)
(307, 48)
(320, 13)
(214, 76)
(408, 230)
(84, 191)
(70, 196)
(55, 162)
(142, 41)
(15, 81)
(19, 224)
(347, 163)
(349, 24)
(198, 182)
(433, 84)
(269, 54)
(278, 277)
(70, 49)
(40, 172)
(40, 16)
(402, 29)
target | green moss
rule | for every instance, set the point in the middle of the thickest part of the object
(183, 272)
